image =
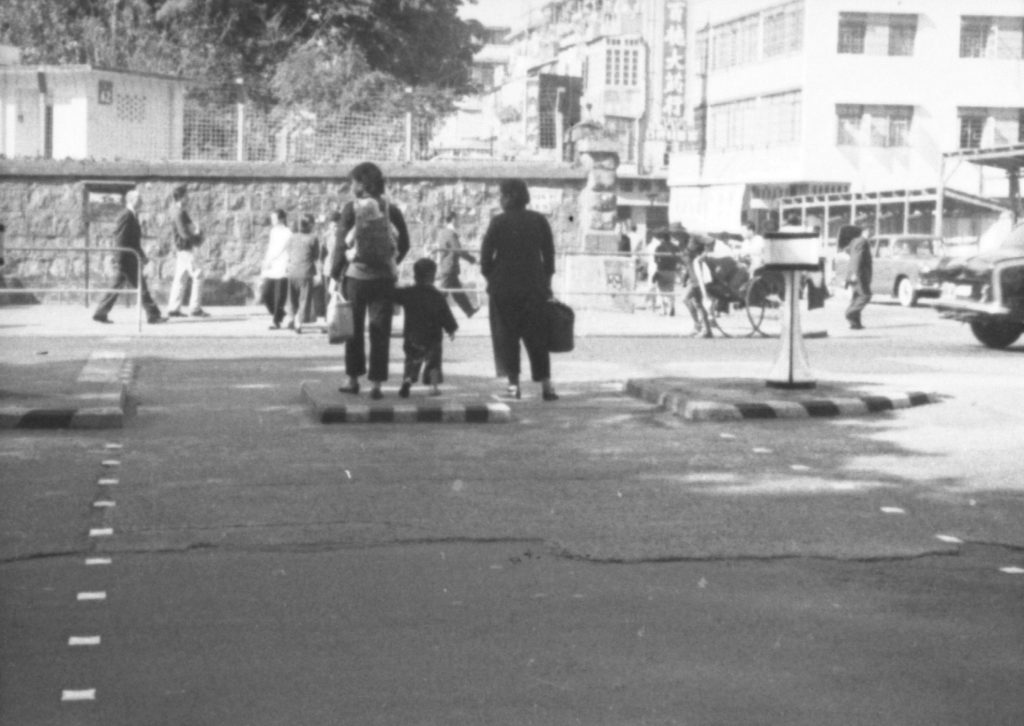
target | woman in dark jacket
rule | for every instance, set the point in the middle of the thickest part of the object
(517, 258)
(368, 285)
(859, 271)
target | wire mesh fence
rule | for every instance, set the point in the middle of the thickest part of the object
(217, 130)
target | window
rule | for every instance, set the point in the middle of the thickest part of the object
(852, 30)
(902, 32)
(848, 118)
(886, 126)
(783, 29)
(622, 63)
(877, 34)
(972, 128)
(747, 39)
(987, 37)
(991, 127)
(890, 125)
(767, 121)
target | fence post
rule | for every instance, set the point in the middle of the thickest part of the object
(240, 115)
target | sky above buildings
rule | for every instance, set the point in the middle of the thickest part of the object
(497, 12)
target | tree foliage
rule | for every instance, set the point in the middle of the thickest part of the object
(316, 53)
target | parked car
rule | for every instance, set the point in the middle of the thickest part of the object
(900, 261)
(986, 291)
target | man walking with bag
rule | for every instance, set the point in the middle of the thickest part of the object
(187, 239)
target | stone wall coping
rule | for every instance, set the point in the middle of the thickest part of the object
(71, 170)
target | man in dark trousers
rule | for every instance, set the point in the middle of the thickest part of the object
(859, 271)
(127, 273)
(449, 251)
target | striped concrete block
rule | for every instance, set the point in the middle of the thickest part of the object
(329, 410)
(61, 417)
(662, 394)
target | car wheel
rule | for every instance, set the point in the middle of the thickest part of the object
(905, 293)
(996, 333)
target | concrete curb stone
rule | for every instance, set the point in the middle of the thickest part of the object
(328, 409)
(663, 394)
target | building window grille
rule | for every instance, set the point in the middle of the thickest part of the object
(987, 37)
(972, 128)
(877, 34)
(761, 122)
(887, 126)
(852, 31)
(622, 64)
(848, 124)
(746, 40)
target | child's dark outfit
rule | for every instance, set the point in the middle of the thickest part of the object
(427, 318)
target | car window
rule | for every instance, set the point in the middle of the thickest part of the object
(883, 249)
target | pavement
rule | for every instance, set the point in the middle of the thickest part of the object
(96, 396)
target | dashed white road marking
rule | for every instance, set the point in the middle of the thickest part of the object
(85, 596)
(727, 436)
(86, 694)
(83, 640)
(348, 473)
(111, 463)
(107, 482)
(97, 561)
(949, 538)
(761, 450)
(1012, 570)
(112, 446)
(893, 510)
(799, 467)
(101, 532)
(104, 504)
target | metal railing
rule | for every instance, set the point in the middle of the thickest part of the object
(86, 289)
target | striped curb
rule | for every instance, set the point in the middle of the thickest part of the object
(331, 413)
(99, 404)
(60, 417)
(679, 403)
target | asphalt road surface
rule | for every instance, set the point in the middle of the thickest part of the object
(224, 559)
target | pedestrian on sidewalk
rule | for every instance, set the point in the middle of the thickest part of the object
(303, 268)
(274, 288)
(368, 281)
(859, 271)
(187, 239)
(693, 252)
(128, 261)
(667, 263)
(427, 318)
(517, 258)
(449, 252)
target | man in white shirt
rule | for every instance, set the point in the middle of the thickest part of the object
(275, 268)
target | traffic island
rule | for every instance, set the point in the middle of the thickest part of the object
(331, 407)
(95, 410)
(734, 399)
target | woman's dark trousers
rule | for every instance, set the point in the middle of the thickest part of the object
(517, 316)
(371, 298)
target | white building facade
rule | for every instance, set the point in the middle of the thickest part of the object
(828, 96)
(82, 112)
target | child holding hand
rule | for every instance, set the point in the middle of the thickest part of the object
(427, 318)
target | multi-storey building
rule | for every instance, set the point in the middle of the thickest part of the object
(844, 108)
(618, 64)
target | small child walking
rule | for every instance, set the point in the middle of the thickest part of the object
(427, 318)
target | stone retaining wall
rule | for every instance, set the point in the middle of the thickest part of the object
(54, 205)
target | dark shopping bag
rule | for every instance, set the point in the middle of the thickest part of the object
(560, 322)
(340, 321)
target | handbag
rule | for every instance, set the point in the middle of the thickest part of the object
(340, 321)
(560, 322)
